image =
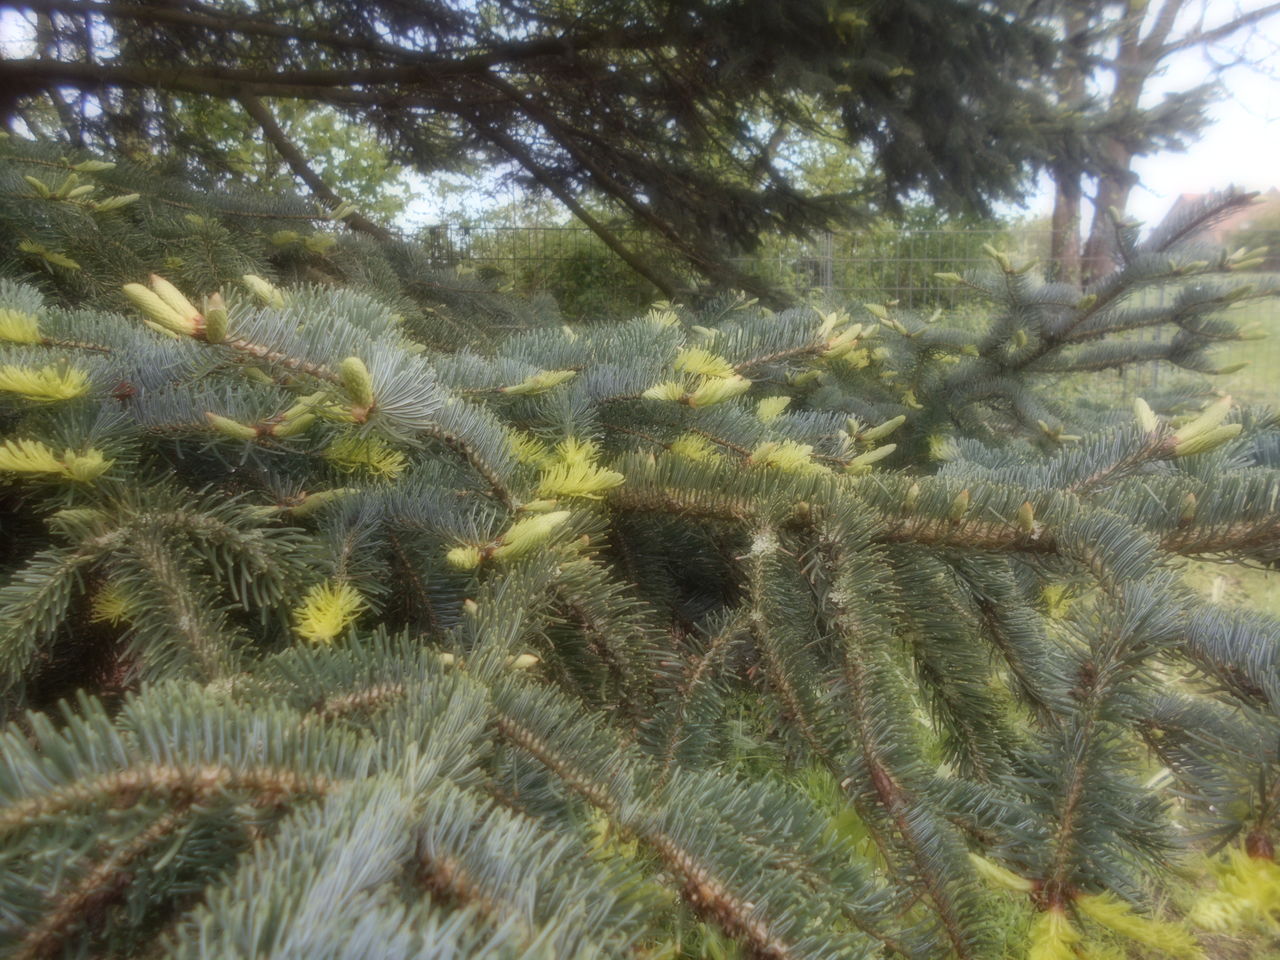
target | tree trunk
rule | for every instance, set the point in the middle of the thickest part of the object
(1064, 239)
(1100, 254)
(1135, 61)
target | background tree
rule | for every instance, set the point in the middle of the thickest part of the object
(668, 112)
(202, 138)
(1262, 232)
(1111, 53)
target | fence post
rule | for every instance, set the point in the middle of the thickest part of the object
(828, 261)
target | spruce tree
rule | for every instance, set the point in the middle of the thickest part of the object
(352, 610)
(676, 116)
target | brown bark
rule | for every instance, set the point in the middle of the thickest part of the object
(1135, 61)
(1064, 239)
(1100, 251)
(1064, 228)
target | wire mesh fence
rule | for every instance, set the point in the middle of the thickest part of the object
(882, 264)
(895, 262)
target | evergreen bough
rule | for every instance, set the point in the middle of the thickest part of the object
(390, 618)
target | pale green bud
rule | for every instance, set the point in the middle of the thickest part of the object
(1231, 368)
(1209, 440)
(911, 499)
(267, 294)
(230, 428)
(1187, 511)
(116, 203)
(1209, 418)
(884, 429)
(1147, 419)
(464, 558)
(357, 381)
(293, 426)
(862, 463)
(1026, 517)
(319, 499)
(171, 295)
(158, 311)
(215, 319)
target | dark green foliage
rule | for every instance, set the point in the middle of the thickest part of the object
(669, 116)
(573, 642)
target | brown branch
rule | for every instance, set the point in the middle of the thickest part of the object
(262, 352)
(808, 349)
(478, 463)
(1152, 46)
(1057, 887)
(516, 151)
(722, 442)
(1210, 215)
(1246, 535)
(368, 698)
(710, 897)
(75, 345)
(124, 787)
(888, 791)
(291, 155)
(416, 586)
(713, 267)
(716, 651)
(26, 76)
(1212, 35)
(102, 884)
(1158, 446)
(205, 17)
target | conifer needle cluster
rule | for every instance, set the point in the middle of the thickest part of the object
(347, 612)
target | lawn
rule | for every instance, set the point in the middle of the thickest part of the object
(1258, 383)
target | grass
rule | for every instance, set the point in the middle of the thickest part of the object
(1259, 382)
(1236, 586)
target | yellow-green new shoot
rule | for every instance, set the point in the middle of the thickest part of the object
(540, 382)
(1166, 939)
(703, 363)
(326, 611)
(19, 327)
(46, 384)
(575, 473)
(527, 535)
